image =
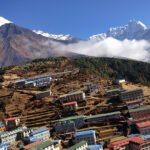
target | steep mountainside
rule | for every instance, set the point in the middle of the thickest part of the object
(18, 45)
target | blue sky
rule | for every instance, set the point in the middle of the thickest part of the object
(80, 18)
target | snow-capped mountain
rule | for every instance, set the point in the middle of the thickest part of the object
(4, 21)
(18, 44)
(133, 30)
(60, 37)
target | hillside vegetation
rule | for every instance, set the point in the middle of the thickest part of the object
(107, 68)
(134, 71)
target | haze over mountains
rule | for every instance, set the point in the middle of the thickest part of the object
(18, 44)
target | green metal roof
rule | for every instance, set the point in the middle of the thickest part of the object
(42, 92)
(76, 146)
(128, 91)
(104, 115)
(42, 145)
(71, 118)
(71, 93)
(113, 90)
(139, 109)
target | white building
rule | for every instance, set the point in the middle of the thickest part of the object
(11, 136)
(88, 136)
(4, 146)
(42, 133)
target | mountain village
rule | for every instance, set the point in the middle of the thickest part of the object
(65, 110)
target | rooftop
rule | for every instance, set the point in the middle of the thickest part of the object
(85, 132)
(138, 140)
(42, 145)
(94, 147)
(2, 125)
(8, 119)
(21, 80)
(39, 130)
(43, 92)
(134, 102)
(72, 93)
(74, 147)
(143, 124)
(146, 136)
(29, 146)
(113, 90)
(4, 145)
(69, 103)
(128, 91)
(71, 118)
(120, 142)
(34, 139)
(104, 115)
(126, 141)
(139, 109)
(30, 82)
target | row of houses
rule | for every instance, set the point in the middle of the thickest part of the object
(70, 124)
(132, 98)
(40, 81)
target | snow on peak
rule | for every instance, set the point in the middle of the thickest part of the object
(54, 36)
(137, 23)
(133, 30)
(98, 37)
(4, 21)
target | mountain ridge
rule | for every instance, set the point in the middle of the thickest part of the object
(18, 44)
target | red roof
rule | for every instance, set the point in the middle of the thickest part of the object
(119, 143)
(134, 102)
(136, 140)
(126, 141)
(143, 124)
(142, 119)
(32, 145)
(69, 103)
(8, 119)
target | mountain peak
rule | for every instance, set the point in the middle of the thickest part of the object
(137, 23)
(61, 37)
(135, 29)
(4, 21)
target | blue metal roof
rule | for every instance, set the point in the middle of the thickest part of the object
(2, 125)
(146, 136)
(133, 135)
(94, 147)
(39, 130)
(34, 139)
(4, 145)
(85, 132)
(21, 80)
(30, 82)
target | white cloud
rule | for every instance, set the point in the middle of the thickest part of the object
(110, 47)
